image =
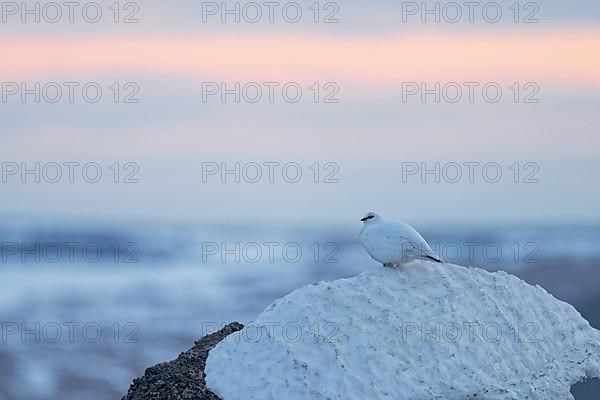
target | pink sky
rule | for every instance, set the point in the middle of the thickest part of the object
(368, 138)
(563, 58)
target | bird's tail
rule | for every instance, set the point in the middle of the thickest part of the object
(437, 260)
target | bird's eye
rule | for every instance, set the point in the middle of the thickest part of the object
(370, 217)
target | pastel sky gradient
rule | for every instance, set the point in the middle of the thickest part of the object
(369, 133)
(562, 57)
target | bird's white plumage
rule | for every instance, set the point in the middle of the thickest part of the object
(393, 243)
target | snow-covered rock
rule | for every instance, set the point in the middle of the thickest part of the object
(424, 331)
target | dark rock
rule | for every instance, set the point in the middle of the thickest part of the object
(182, 378)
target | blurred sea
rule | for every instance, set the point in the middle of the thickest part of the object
(87, 307)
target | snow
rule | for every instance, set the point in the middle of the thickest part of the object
(423, 331)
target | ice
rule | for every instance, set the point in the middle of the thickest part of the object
(423, 331)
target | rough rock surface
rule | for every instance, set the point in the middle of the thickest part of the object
(424, 331)
(182, 378)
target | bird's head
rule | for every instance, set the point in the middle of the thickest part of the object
(370, 218)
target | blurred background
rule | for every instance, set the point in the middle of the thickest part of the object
(167, 168)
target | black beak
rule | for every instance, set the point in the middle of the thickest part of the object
(364, 219)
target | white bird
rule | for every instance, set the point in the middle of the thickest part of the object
(394, 243)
